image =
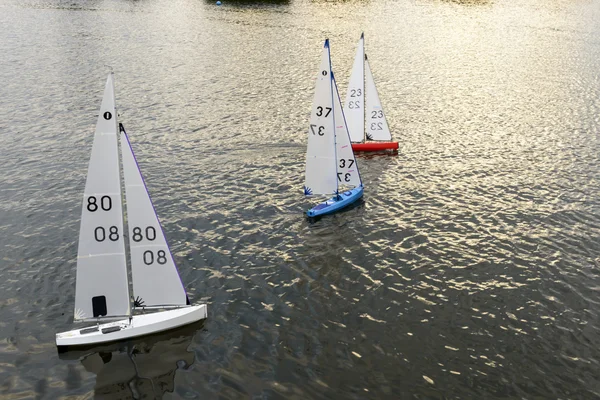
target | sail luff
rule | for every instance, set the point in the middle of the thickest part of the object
(155, 278)
(102, 289)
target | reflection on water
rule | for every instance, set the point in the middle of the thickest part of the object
(256, 3)
(470, 2)
(143, 368)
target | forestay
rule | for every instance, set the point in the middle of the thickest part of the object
(102, 288)
(355, 97)
(320, 154)
(154, 274)
(377, 126)
(347, 169)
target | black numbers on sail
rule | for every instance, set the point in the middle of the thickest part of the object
(343, 163)
(105, 203)
(320, 111)
(100, 234)
(161, 257)
(353, 104)
(346, 176)
(138, 236)
(355, 92)
(377, 114)
(319, 131)
(376, 126)
(107, 116)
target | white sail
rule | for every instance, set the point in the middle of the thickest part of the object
(377, 126)
(102, 288)
(320, 154)
(347, 169)
(153, 271)
(355, 97)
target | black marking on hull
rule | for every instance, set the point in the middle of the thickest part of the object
(111, 329)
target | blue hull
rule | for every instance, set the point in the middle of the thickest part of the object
(336, 202)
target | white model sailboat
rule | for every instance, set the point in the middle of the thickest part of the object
(330, 161)
(369, 130)
(102, 287)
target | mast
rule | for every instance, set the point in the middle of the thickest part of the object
(337, 181)
(362, 37)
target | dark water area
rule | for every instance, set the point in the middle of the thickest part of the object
(470, 269)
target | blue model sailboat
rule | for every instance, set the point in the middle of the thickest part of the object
(331, 168)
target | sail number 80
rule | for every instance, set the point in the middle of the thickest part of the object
(138, 236)
(105, 203)
(161, 257)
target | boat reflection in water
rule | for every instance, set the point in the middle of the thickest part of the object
(139, 368)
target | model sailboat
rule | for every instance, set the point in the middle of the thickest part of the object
(330, 162)
(369, 130)
(102, 286)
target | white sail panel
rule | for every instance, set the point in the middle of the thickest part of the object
(102, 288)
(355, 97)
(320, 153)
(377, 126)
(347, 169)
(153, 271)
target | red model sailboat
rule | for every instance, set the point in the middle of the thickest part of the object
(368, 127)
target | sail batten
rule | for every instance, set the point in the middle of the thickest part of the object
(153, 270)
(102, 289)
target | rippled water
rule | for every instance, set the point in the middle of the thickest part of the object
(470, 270)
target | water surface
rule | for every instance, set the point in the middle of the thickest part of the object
(470, 270)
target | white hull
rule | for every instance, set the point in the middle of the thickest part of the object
(140, 325)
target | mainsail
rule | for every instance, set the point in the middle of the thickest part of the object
(354, 106)
(320, 154)
(102, 288)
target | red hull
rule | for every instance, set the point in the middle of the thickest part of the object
(375, 146)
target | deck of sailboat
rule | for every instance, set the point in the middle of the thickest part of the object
(137, 325)
(336, 203)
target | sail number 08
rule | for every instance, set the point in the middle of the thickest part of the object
(161, 257)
